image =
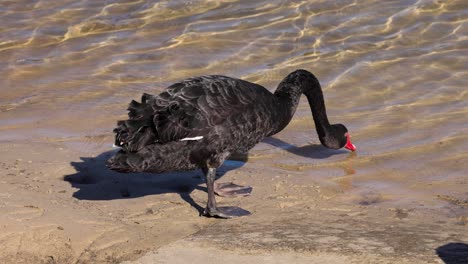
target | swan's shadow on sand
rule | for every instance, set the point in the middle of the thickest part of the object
(453, 253)
(314, 151)
(95, 181)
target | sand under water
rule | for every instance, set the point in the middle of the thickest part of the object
(393, 71)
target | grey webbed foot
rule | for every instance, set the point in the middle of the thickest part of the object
(229, 189)
(226, 212)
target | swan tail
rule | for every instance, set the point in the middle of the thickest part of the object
(138, 131)
(138, 111)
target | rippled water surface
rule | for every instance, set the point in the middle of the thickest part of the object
(395, 72)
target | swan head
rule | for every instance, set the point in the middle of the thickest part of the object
(338, 137)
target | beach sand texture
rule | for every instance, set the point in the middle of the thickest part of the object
(394, 72)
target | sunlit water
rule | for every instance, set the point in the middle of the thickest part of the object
(395, 72)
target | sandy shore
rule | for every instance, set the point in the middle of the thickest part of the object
(60, 205)
(393, 72)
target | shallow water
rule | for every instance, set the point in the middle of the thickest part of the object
(393, 71)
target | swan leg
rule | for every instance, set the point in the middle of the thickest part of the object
(212, 210)
(229, 189)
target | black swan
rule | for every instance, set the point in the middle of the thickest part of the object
(198, 122)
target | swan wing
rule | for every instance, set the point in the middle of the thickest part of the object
(192, 108)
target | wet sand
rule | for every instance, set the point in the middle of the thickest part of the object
(97, 216)
(393, 72)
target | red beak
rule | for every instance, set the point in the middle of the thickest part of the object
(349, 145)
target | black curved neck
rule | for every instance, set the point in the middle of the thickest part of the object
(289, 92)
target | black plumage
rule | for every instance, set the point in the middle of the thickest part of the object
(198, 122)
